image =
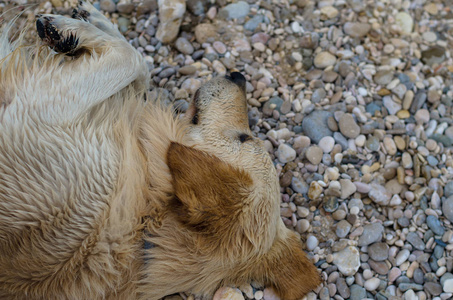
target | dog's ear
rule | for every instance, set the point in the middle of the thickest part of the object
(287, 269)
(209, 193)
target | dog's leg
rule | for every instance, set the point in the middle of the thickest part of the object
(86, 11)
(103, 66)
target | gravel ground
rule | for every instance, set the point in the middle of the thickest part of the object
(353, 100)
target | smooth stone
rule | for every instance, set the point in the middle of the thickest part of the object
(405, 22)
(343, 228)
(379, 194)
(274, 103)
(372, 143)
(314, 154)
(326, 144)
(402, 256)
(324, 59)
(357, 292)
(434, 55)
(347, 260)
(254, 22)
(348, 126)
(343, 288)
(416, 241)
(435, 225)
(378, 251)
(171, 13)
(392, 106)
(356, 29)
(410, 286)
(379, 267)
(312, 242)
(383, 77)
(448, 189)
(285, 153)
(184, 46)
(447, 208)
(371, 233)
(228, 293)
(236, 10)
(315, 125)
(433, 288)
(108, 6)
(205, 31)
(372, 284)
(394, 274)
(299, 186)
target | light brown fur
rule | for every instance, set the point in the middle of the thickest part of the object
(88, 171)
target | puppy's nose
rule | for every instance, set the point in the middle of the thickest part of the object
(238, 79)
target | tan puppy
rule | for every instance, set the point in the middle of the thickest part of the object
(88, 171)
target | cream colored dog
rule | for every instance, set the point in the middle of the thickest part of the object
(89, 171)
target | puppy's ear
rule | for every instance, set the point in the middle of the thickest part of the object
(209, 193)
(287, 269)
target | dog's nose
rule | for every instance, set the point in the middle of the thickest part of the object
(238, 79)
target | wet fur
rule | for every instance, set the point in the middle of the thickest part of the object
(88, 171)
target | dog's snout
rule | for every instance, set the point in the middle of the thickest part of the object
(238, 79)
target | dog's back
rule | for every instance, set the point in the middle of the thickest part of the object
(71, 179)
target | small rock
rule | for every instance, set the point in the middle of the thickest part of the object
(184, 46)
(108, 6)
(371, 233)
(343, 228)
(315, 125)
(372, 284)
(356, 30)
(379, 194)
(402, 256)
(285, 153)
(405, 22)
(348, 126)
(312, 242)
(314, 155)
(205, 31)
(171, 13)
(228, 293)
(415, 240)
(447, 208)
(236, 10)
(347, 260)
(435, 225)
(315, 190)
(378, 251)
(324, 59)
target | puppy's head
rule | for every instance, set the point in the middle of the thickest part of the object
(226, 205)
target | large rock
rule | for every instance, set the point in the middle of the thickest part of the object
(171, 13)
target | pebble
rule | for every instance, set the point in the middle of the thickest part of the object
(285, 153)
(447, 208)
(378, 251)
(312, 242)
(347, 260)
(315, 126)
(228, 293)
(184, 46)
(379, 194)
(415, 241)
(371, 233)
(236, 10)
(326, 144)
(356, 30)
(435, 225)
(171, 13)
(357, 292)
(348, 126)
(324, 59)
(405, 22)
(402, 256)
(372, 284)
(343, 228)
(314, 154)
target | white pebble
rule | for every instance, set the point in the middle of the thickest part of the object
(326, 144)
(372, 284)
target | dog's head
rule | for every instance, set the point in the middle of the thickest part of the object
(226, 203)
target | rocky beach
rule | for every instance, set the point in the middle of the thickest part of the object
(353, 100)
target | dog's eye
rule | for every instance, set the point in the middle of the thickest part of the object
(195, 119)
(244, 138)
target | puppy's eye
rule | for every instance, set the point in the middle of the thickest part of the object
(244, 138)
(195, 119)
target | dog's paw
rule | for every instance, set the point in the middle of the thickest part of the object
(63, 42)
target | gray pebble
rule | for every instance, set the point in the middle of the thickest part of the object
(254, 22)
(448, 189)
(415, 240)
(447, 208)
(236, 10)
(315, 125)
(357, 292)
(343, 228)
(435, 225)
(343, 288)
(378, 251)
(371, 233)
